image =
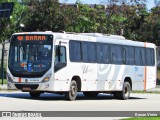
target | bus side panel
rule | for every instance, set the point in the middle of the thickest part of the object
(89, 77)
(64, 76)
(117, 75)
(150, 77)
(111, 77)
(151, 69)
(139, 79)
(103, 71)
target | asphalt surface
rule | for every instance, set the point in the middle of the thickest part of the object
(21, 101)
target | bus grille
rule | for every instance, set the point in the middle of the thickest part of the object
(31, 86)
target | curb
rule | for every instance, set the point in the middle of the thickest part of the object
(157, 89)
(3, 87)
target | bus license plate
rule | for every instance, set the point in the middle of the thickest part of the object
(26, 88)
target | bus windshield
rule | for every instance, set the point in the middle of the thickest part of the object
(30, 58)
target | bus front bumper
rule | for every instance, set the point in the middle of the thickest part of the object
(30, 86)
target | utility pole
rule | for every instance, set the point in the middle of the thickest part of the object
(2, 61)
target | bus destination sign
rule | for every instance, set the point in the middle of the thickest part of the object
(32, 38)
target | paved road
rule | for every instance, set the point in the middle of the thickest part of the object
(18, 101)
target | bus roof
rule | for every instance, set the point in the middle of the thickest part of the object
(94, 37)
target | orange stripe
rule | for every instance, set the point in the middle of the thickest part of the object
(145, 73)
(19, 79)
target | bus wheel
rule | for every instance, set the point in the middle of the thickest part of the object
(90, 94)
(125, 93)
(35, 94)
(72, 94)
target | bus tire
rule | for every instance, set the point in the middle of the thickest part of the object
(35, 94)
(90, 94)
(125, 93)
(72, 94)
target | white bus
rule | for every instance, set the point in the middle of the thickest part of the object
(91, 63)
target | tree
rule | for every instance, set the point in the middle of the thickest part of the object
(8, 26)
(44, 15)
(152, 25)
(85, 19)
(133, 18)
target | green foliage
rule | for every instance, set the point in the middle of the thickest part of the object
(143, 118)
(131, 17)
(12, 24)
(85, 19)
(4, 81)
(45, 15)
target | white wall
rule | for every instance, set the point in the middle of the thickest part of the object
(6, 54)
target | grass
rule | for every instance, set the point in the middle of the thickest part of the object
(158, 73)
(143, 118)
(4, 81)
(141, 91)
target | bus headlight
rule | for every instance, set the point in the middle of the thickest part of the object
(47, 78)
(9, 78)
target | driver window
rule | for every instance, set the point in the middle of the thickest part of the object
(60, 54)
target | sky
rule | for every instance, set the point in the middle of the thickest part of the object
(150, 3)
